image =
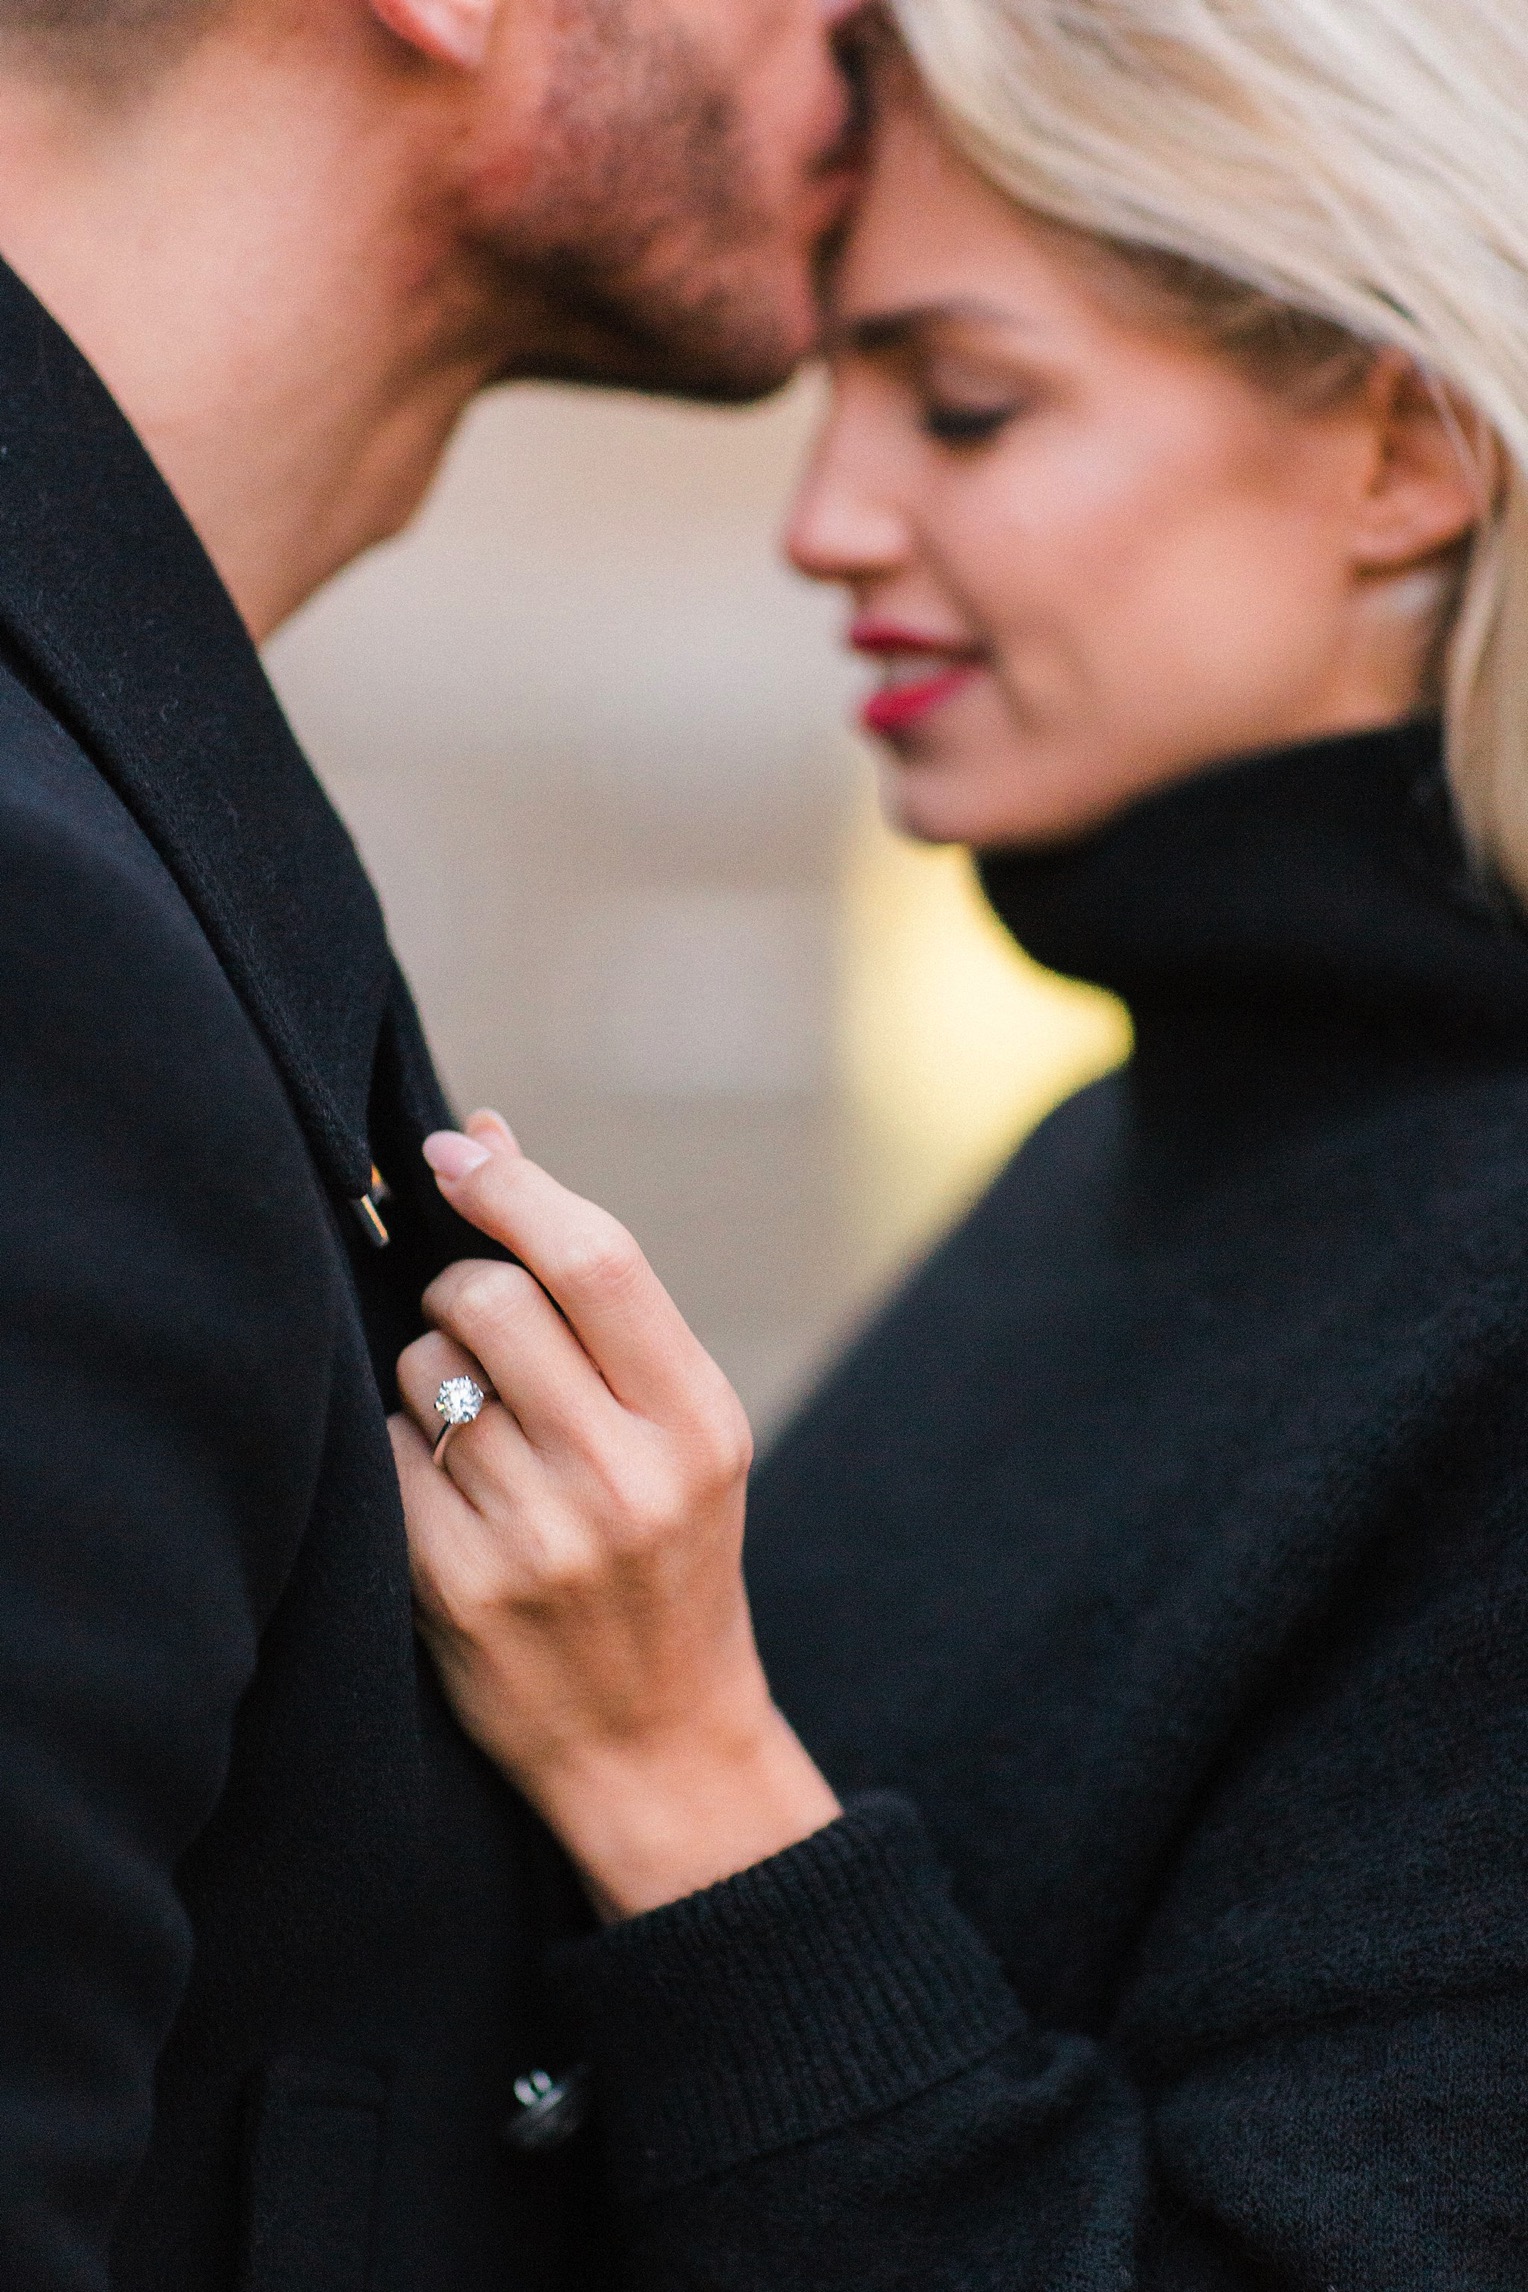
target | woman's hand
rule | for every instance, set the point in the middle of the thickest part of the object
(578, 1562)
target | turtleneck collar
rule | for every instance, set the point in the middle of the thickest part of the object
(1318, 894)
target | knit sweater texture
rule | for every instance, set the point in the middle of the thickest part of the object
(1153, 1580)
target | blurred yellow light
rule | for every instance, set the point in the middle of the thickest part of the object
(953, 1043)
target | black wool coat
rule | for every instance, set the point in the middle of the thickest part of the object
(1157, 1569)
(269, 1928)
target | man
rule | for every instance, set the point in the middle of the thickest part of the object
(269, 1929)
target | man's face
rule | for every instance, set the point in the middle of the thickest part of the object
(659, 177)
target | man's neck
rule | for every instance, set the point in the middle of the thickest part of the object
(262, 266)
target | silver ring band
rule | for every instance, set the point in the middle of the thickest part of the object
(437, 1453)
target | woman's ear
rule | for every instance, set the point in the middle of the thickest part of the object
(1434, 470)
(448, 31)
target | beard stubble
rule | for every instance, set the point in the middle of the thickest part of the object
(644, 231)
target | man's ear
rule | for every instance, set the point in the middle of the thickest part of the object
(1435, 468)
(449, 31)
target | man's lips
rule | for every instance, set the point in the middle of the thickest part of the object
(920, 673)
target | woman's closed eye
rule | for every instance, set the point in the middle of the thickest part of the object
(951, 422)
(967, 393)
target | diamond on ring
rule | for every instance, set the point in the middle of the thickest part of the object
(459, 1401)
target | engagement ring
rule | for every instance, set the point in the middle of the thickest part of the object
(459, 1402)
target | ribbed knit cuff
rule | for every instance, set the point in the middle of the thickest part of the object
(811, 1992)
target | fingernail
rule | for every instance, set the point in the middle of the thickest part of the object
(486, 1120)
(451, 1156)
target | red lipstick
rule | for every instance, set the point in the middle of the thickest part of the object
(901, 704)
(902, 701)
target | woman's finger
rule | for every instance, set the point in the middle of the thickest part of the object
(437, 1357)
(521, 1526)
(442, 1525)
(490, 1527)
(487, 1128)
(473, 1531)
(424, 1367)
(529, 1355)
(620, 1311)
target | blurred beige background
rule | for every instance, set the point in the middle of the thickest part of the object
(590, 737)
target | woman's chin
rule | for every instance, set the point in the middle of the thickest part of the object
(951, 800)
(1017, 794)
(916, 805)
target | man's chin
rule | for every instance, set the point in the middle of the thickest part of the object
(733, 374)
(729, 377)
(732, 346)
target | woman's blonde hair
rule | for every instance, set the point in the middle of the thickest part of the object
(1304, 172)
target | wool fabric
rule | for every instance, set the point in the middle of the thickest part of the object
(1153, 1578)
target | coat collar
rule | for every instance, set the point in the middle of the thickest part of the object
(111, 609)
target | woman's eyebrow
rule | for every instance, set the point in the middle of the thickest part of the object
(884, 330)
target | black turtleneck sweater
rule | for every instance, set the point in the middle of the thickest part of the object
(1153, 1577)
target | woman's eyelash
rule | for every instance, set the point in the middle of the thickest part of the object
(965, 425)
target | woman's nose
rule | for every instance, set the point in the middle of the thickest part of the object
(841, 526)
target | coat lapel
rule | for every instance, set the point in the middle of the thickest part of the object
(112, 611)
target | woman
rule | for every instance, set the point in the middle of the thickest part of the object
(1163, 1549)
